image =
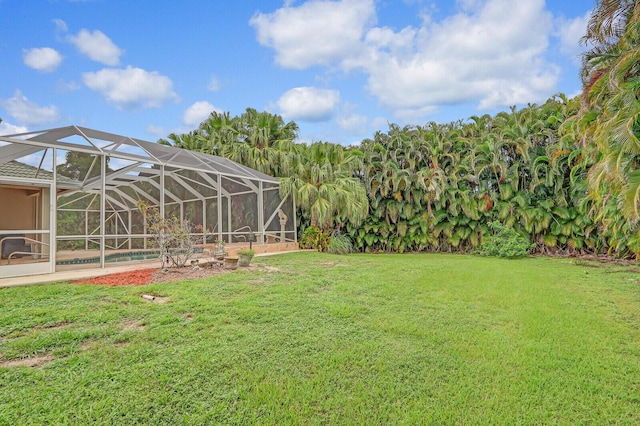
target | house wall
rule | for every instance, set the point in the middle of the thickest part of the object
(17, 208)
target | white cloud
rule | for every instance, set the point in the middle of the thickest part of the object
(354, 124)
(350, 122)
(198, 112)
(29, 113)
(97, 46)
(61, 26)
(214, 84)
(131, 88)
(469, 5)
(414, 114)
(318, 32)
(309, 104)
(570, 31)
(42, 58)
(67, 86)
(490, 53)
(10, 129)
(380, 123)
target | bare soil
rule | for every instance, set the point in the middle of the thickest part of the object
(35, 361)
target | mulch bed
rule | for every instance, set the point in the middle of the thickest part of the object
(147, 276)
(140, 277)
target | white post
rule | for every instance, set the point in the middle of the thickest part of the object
(86, 229)
(103, 194)
(53, 217)
(161, 206)
(260, 212)
(204, 221)
(219, 207)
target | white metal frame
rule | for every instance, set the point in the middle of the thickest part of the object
(151, 172)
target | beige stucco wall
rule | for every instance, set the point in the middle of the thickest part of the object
(17, 208)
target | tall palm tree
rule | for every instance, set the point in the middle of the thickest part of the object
(191, 141)
(219, 130)
(326, 188)
(260, 140)
(611, 115)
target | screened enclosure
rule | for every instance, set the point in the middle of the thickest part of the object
(71, 196)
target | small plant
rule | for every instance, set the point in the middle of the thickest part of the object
(314, 238)
(171, 236)
(248, 253)
(244, 257)
(505, 242)
(340, 244)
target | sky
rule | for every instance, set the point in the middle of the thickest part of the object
(341, 69)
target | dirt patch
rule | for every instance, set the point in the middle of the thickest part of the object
(35, 361)
(268, 268)
(626, 271)
(52, 326)
(599, 260)
(188, 273)
(89, 345)
(132, 325)
(330, 264)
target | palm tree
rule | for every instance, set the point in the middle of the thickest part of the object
(609, 21)
(262, 141)
(326, 188)
(192, 141)
(220, 130)
(611, 114)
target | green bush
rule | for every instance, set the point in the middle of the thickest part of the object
(340, 244)
(314, 238)
(248, 253)
(505, 242)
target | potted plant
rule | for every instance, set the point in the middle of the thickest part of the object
(244, 257)
(230, 263)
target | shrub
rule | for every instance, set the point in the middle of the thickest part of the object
(340, 244)
(171, 235)
(314, 238)
(505, 242)
(248, 253)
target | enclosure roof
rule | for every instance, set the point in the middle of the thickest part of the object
(91, 141)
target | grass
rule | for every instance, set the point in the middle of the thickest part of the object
(322, 339)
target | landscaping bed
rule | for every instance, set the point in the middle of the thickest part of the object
(147, 276)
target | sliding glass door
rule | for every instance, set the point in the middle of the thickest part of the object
(25, 228)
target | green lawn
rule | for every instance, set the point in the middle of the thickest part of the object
(311, 338)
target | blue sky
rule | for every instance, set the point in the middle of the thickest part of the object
(341, 69)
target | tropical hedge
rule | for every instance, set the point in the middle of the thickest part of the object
(437, 187)
(563, 175)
